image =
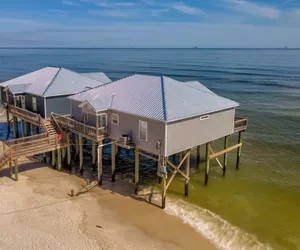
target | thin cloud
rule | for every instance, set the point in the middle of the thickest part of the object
(183, 8)
(116, 13)
(298, 12)
(177, 6)
(57, 11)
(70, 3)
(109, 4)
(253, 8)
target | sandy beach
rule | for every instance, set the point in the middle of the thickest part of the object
(37, 212)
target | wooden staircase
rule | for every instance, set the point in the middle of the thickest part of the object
(33, 145)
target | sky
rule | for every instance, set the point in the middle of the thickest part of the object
(150, 23)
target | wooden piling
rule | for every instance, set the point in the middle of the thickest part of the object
(164, 183)
(225, 155)
(59, 159)
(186, 186)
(80, 154)
(68, 152)
(137, 170)
(15, 122)
(10, 167)
(31, 129)
(28, 129)
(8, 123)
(16, 170)
(23, 128)
(76, 147)
(239, 150)
(198, 154)
(53, 158)
(100, 164)
(113, 162)
(180, 156)
(207, 161)
(94, 154)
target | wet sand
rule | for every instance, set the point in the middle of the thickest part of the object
(37, 212)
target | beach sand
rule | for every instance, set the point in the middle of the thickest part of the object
(37, 212)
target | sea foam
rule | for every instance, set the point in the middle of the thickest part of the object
(220, 232)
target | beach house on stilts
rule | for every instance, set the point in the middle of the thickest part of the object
(158, 117)
(31, 98)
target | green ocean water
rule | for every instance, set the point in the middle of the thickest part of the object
(257, 207)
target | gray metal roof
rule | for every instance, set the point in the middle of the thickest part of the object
(18, 88)
(200, 86)
(161, 98)
(98, 76)
(51, 81)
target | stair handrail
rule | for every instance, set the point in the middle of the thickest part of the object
(57, 126)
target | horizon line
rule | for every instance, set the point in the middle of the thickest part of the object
(249, 48)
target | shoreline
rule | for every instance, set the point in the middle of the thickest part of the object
(39, 206)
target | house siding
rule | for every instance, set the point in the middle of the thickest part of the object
(59, 105)
(185, 134)
(39, 103)
(129, 124)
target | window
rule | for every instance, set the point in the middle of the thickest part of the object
(115, 119)
(204, 117)
(85, 117)
(143, 130)
(34, 107)
(23, 102)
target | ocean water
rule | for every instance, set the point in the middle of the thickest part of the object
(257, 207)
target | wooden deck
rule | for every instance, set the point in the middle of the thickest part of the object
(31, 145)
(67, 123)
(240, 124)
(25, 115)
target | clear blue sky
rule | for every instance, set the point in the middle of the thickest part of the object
(149, 23)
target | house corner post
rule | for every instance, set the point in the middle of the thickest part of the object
(100, 163)
(186, 186)
(113, 162)
(137, 170)
(207, 162)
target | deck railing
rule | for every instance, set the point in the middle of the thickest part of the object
(25, 114)
(74, 125)
(240, 124)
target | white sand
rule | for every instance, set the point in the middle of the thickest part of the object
(37, 213)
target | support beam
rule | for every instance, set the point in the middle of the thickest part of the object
(76, 147)
(23, 128)
(113, 162)
(225, 155)
(31, 129)
(94, 154)
(10, 165)
(224, 151)
(137, 170)
(100, 164)
(16, 132)
(53, 158)
(164, 189)
(238, 156)
(186, 181)
(8, 123)
(16, 170)
(45, 157)
(180, 156)
(198, 155)
(80, 154)
(207, 161)
(27, 129)
(59, 159)
(68, 152)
